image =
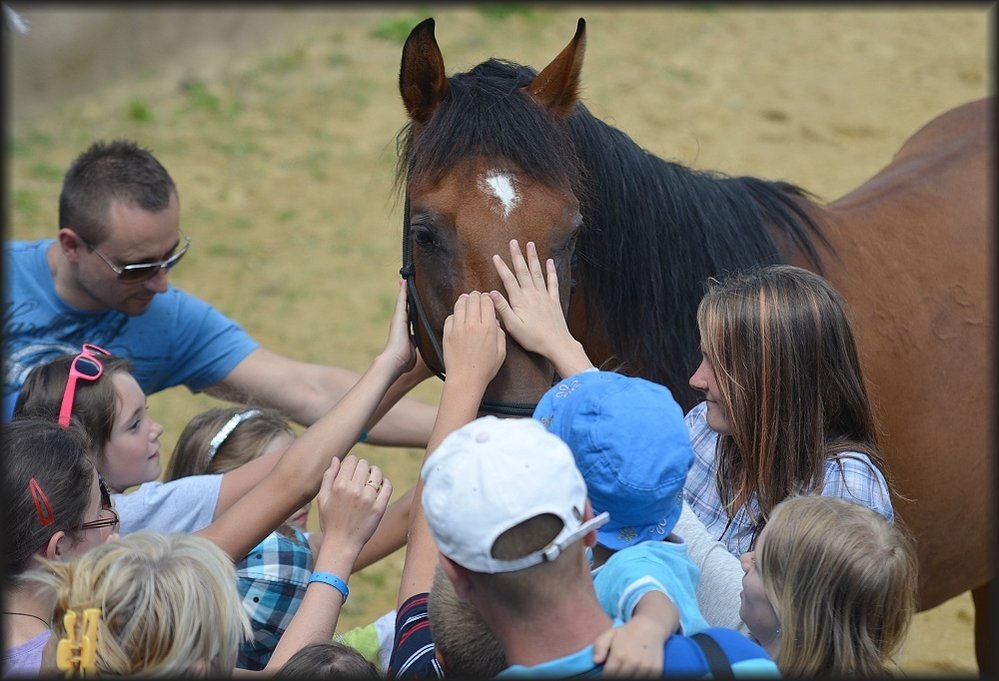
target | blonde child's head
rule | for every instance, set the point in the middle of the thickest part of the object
(168, 605)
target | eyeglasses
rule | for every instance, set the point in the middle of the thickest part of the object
(143, 270)
(111, 522)
(84, 366)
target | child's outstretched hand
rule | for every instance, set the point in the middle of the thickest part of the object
(399, 347)
(474, 343)
(533, 315)
(352, 500)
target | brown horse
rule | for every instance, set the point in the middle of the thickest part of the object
(502, 151)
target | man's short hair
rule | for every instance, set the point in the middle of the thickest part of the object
(111, 171)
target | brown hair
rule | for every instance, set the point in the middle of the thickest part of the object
(94, 403)
(246, 442)
(119, 171)
(57, 460)
(842, 580)
(788, 373)
(328, 659)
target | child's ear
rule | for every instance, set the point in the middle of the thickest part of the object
(55, 548)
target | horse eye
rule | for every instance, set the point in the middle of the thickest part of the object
(424, 237)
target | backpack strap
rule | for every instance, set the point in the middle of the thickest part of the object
(717, 660)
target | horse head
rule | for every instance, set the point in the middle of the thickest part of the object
(486, 157)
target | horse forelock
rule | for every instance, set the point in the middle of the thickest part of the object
(488, 113)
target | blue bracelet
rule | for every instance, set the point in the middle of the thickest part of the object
(333, 581)
(363, 437)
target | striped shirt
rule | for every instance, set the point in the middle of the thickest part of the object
(414, 653)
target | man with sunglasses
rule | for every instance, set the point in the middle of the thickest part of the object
(104, 280)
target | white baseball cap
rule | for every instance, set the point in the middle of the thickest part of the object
(493, 474)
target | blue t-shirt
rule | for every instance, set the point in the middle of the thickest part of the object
(179, 340)
(663, 566)
(682, 657)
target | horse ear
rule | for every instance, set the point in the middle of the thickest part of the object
(422, 81)
(557, 86)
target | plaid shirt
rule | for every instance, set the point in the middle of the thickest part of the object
(851, 476)
(271, 580)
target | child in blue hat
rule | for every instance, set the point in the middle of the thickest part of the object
(631, 444)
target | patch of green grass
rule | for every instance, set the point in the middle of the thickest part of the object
(681, 74)
(47, 171)
(24, 146)
(397, 30)
(283, 63)
(287, 215)
(338, 59)
(200, 97)
(239, 147)
(139, 111)
(25, 202)
(502, 11)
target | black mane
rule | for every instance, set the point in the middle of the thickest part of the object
(653, 231)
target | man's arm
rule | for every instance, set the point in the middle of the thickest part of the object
(304, 392)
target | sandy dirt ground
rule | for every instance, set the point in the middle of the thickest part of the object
(282, 148)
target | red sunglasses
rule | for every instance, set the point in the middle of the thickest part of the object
(84, 366)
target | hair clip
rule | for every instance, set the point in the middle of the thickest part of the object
(46, 516)
(226, 430)
(79, 654)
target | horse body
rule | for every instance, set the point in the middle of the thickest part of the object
(639, 236)
(908, 255)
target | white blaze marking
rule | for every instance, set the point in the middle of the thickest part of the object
(501, 186)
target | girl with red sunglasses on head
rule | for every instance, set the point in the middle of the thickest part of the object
(56, 508)
(269, 489)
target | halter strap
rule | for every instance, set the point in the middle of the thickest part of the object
(417, 317)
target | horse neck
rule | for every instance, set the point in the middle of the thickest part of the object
(655, 231)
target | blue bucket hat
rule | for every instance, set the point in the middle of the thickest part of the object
(631, 444)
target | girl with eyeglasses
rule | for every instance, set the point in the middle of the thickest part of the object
(56, 508)
(165, 604)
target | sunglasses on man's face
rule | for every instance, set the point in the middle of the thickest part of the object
(143, 270)
(84, 366)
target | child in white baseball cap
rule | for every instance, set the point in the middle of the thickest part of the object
(494, 474)
(508, 510)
